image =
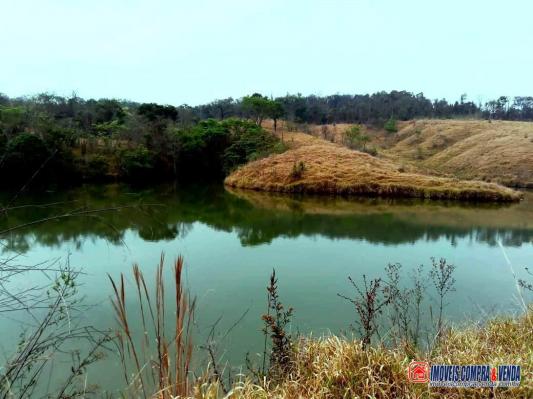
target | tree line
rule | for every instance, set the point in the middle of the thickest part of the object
(373, 109)
(70, 138)
(51, 138)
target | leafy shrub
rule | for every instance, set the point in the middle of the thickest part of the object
(137, 163)
(355, 139)
(247, 142)
(108, 129)
(97, 167)
(390, 126)
(12, 119)
(200, 149)
(57, 137)
(24, 155)
(214, 148)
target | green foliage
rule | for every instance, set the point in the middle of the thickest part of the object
(24, 155)
(216, 147)
(276, 110)
(256, 106)
(355, 139)
(153, 112)
(259, 107)
(110, 128)
(57, 137)
(248, 142)
(200, 149)
(390, 126)
(136, 164)
(12, 119)
(107, 110)
(277, 321)
(96, 167)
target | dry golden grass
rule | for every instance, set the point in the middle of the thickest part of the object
(326, 168)
(154, 360)
(333, 367)
(501, 151)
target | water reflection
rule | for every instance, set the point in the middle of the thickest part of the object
(167, 212)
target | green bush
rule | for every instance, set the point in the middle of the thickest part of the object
(97, 167)
(248, 142)
(12, 119)
(136, 164)
(390, 126)
(214, 148)
(25, 154)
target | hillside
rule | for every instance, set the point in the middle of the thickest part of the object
(317, 166)
(499, 151)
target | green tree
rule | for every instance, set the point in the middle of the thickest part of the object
(24, 155)
(12, 119)
(257, 107)
(137, 164)
(276, 111)
(390, 126)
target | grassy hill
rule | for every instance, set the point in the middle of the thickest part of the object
(499, 151)
(317, 166)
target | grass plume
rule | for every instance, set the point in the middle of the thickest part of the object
(165, 368)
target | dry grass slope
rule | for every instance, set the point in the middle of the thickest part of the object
(325, 168)
(500, 152)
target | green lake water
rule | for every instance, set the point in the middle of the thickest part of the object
(232, 240)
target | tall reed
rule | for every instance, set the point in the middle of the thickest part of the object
(164, 368)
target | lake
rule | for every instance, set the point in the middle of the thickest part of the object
(231, 241)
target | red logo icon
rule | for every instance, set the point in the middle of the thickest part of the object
(493, 374)
(418, 372)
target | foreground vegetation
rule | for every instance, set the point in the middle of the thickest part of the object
(157, 357)
(338, 367)
(329, 366)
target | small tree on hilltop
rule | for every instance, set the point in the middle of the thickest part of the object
(276, 111)
(390, 126)
(354, 138)
(257, 106)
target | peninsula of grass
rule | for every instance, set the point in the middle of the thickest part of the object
(325, 168)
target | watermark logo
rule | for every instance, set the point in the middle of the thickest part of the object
(465, 376)
(419, 372)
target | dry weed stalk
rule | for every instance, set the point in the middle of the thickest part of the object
(166, 368)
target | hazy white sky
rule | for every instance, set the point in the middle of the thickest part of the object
(195, 51)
